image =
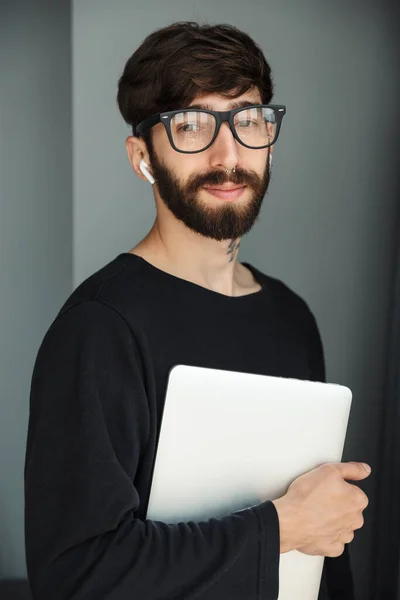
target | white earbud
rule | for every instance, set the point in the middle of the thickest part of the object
(270, 160)
(143, 167)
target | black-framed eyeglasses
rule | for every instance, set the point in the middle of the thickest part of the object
(192, 130)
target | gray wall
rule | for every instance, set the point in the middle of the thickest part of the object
(327, 227)
(35, 226)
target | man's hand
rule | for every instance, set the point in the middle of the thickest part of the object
(321, 510)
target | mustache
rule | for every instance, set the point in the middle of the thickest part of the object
(239, 177)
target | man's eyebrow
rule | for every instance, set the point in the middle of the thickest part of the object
(232, 105)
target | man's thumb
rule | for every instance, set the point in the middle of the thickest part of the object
(355, 471)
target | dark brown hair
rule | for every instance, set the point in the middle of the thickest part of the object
(176, 63)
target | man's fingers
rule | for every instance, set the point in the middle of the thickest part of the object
(354, 471)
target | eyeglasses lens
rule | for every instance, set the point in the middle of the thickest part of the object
(192, 131)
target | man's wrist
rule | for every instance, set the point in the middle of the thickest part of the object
(288, 525)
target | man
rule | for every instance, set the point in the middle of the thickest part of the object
(198, 101)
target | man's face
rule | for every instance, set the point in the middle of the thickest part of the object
(182, 179)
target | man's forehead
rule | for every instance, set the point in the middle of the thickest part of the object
(218, 102)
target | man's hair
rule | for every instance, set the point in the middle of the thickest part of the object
(176, 63)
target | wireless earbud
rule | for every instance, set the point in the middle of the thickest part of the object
(270, 160)
(143, 167)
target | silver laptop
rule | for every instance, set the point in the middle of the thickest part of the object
(229, 439)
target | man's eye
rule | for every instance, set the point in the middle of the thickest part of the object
(188, 128)
(247, 122)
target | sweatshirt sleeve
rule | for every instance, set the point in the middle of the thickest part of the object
(88, 427)
(337, 571)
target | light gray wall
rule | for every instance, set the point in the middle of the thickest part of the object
(327, 227)
(35, 226)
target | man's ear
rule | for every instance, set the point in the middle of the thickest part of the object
(136, 150)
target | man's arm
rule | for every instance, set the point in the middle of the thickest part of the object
(88, 430)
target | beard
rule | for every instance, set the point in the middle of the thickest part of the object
(228, 221)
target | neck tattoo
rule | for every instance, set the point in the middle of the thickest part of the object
(233, 249)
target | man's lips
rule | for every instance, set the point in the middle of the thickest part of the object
(226, 193)
(224, 188)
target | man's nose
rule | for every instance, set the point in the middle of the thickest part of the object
(225, 145)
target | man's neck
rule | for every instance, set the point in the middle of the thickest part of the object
(208, 263)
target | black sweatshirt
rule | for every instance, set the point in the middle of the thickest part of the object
(96, 402)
